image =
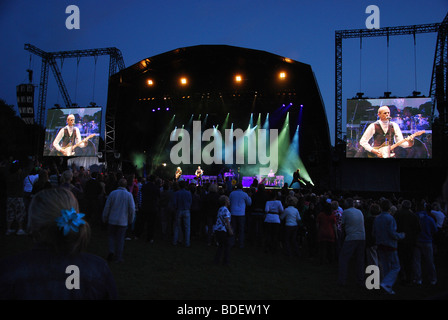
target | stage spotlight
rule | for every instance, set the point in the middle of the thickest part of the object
(183, 81)
(238, 78)
(282, 75)
(150, 82)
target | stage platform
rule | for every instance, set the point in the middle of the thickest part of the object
(274, 182)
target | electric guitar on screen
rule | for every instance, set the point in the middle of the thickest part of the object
(386, 151)
(69, 150)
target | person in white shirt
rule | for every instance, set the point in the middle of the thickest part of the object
(292, 218)
(273, 210)
(383, 130)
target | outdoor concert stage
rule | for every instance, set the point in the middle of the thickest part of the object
(187, 106)
(269, 182)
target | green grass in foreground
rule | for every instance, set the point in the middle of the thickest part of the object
(161, 271)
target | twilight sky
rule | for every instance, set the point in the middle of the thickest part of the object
(300, 30)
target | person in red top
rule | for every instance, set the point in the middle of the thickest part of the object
(326, 233)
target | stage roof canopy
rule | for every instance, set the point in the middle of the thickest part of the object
(213, 81)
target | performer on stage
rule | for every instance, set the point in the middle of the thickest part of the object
(297, 178)
(385, 133)
(178, 173)
(271, 177)
(199, 172)
(70, 136)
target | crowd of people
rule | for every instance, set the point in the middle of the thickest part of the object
(401, 236)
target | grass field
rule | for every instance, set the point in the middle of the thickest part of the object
(161, 271)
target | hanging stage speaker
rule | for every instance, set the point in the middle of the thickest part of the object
(25, 102)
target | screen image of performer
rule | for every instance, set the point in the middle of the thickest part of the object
(68, 137)
(296, 178)
(178, 173)
(384, 133)
(198, 173)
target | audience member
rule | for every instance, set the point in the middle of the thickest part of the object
(42, 182)
(66, 182)
(92, 194)
(371, 247)
(60, 236)
(408, 223)
(223, 231)
(259, 199)
(15, 207)
(239, 200)
(211, 206)
(337, 212)
(354, 243)
(273, 210)
(182, 204)
(292, 219)
(326, 233)
(424, 254)
(118, 214)
(386, 236)
(147, 215)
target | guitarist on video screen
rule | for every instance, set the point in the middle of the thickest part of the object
(68, 136)
(386, 136)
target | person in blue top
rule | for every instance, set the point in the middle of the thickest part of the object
(239, 200)
(386, 236)
(423, 253)
(223, 230)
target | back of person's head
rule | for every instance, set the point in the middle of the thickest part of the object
(375, 209)
(349, 202)
(223, 200)
(122, 183)
(291, 201)
(66, 176)
(436, 206)
(385, 205)
(421, 205)
(55, 223)
(181, 184)
(213, 187)
(272, 195)
(406, 204)
(261, 187)
(334, 205)
(239, 185)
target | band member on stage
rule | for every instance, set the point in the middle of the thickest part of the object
(271, 177)
(199, 172)
(384, 133)
(297, 178)
(69, 135)
(178, 173)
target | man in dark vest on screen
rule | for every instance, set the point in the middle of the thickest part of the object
(68, 137)
(384, 133)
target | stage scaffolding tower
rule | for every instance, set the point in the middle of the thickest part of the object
(49, 60)
(439, 79)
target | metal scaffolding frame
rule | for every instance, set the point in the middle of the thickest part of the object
(439, 78)
(49, 60)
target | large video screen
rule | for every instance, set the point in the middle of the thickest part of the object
(73, 132)
(389, 128)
